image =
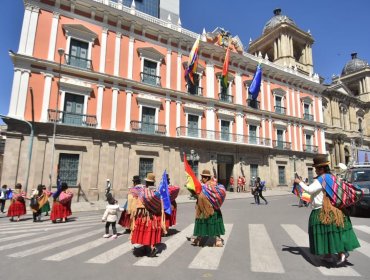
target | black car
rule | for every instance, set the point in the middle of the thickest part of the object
(359, 175)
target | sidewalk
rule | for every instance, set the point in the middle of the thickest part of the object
(101, 204)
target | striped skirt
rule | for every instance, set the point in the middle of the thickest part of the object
(330, 239)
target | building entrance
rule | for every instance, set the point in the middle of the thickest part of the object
(225, 165)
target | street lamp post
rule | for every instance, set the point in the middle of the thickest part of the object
(61, 53)
(29, 146)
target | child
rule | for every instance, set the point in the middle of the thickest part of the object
(111, 215)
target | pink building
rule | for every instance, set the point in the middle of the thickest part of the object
(124, 106)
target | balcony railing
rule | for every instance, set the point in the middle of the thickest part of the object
(280, 110)
(310, 148)
(73, 119)
(212, 135)
(308, 117)
(150, 79)
(194, 90)
(225, 98)
(253, 103)
(281, 145)
(79, 62)
(148, 128)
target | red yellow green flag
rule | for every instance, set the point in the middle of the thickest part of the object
(192, 183)
(225, 69)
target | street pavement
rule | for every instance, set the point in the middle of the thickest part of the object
(261, 242)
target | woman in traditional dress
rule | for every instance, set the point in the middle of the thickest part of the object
(208, 216)
(17, 207)
(62, 205)
(147, 230)
(170, 220)
(46, 207)
(329, 228)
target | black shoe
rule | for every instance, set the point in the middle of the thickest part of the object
(153, 253)
(342, 259)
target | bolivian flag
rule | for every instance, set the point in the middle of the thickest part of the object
(225, 69)
(192, 183)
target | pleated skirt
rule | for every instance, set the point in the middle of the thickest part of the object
(17, 208)
(60, 211)
(330, 239)
(124, 220)
(212, 226)
(46, 207)
(147, 230)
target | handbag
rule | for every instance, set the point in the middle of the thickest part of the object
(341, 193)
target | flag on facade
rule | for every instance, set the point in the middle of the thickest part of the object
(193, 61)
(255, 86)
(225, 69)
(192, 183)
(165, 194)
(59, 188)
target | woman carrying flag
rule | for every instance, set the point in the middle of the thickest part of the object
(330, 230)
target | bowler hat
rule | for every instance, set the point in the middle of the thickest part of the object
(206, 173)
(136, 179)
(320, 160)
(150, 177)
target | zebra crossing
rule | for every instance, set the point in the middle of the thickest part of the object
(49, 242)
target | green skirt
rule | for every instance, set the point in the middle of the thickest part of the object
(213, 226)
(330, 239)
(45, 207)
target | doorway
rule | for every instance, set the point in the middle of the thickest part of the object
(225, 166)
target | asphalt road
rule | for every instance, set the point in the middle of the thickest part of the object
(261, 242)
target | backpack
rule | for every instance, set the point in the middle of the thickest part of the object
(341, 193)
(34, 203)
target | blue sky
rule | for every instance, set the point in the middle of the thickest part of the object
(339, 28)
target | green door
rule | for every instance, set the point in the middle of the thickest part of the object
(148, 120)
(280, 139)
(225, 130)
(150, 72)
(73, 109)
(253, 134)
(78, 54)
(193, 125)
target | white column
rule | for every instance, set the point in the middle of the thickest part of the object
(238, 89)
(130, 63)
(323, 148)
(23, 90)
(210, 115)
(178, 113)
(113, 119)
(299, 104)
(103, 49)
(179, 76)
(210, 76)
(293, 102)
(53, 36)
(263, 124)
(46, 97)
(167, 120)
(321, 117)
(314, 108)
(270, 130)
(262, 95)
(239, 123)
(289, 133)
(300, 137)
(295, 137)
(32, 31)
(99, 105)
(288, 102)
(269, 96)
(15, 92)
(316, 140)
(117, 54)
(25, 27)
(128, 109)
(168, 68)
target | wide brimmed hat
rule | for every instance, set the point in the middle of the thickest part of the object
(206, 173)
(320, 160)
(136, 179)
(150, 177)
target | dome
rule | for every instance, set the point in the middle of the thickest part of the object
(355, 64)
(277, 19)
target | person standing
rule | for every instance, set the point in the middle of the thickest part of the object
(173, 190)
(46, 207)
(17, 207)
(240, 184)
(208, 216)
(110, 216)
(3, 192)
(329, 228)
(231, 184)
(62, 205)
(259, 188)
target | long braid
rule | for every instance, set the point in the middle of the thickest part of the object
(330, 214)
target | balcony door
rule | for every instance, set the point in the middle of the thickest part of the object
(225, 130)
(78, 53)
(309, 147)
(150, 72)
(193, 125)
(73, 109)
(280, 139)
(253, 134)
(148, 120)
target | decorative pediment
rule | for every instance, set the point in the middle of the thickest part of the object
(309, 129)
(200, 68)
(223, 38)
(306, 99)
(253, 119)
(279, 92)
(79, 31)
(76, 86)
(150, 53)
(148, 99)
(280, 124)
(192, 108)
(230, 77)
(225, 114)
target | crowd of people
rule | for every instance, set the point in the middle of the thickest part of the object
(147, 219)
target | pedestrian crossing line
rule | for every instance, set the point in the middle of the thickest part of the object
(112, 254)
(365, 248)
(16, 236)
(77, 250)
(50, 228)
(38, 239)
(264, 257)
(363, 228)
(209, 257)
(301, 239)
(172, 244)
(53, 245)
